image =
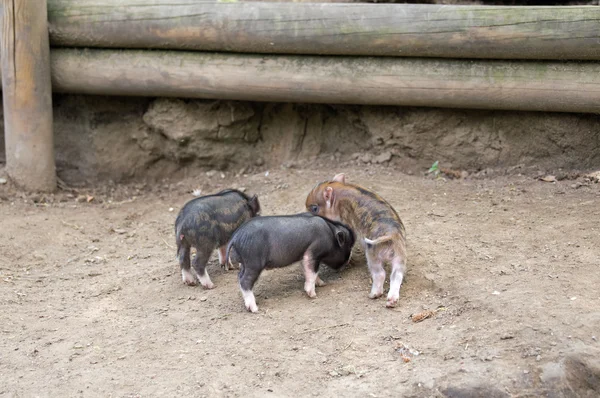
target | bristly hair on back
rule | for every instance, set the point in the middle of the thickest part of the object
(231, 190)
(221, 193)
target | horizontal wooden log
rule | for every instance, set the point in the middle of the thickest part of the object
(516, 85)
(416, 30)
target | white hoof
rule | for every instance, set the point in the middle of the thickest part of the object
(392, 300)
(205, 281)
(249, 301)
(188, 277)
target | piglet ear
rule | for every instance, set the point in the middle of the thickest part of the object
(254, 204)
(341, 177)
(341, 238)
(328, 196)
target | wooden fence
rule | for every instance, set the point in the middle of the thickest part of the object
(514, 58)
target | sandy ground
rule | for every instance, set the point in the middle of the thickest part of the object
(93, 303)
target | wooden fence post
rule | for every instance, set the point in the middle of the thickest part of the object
(27, 95)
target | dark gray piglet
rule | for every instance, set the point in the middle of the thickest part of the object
(207, 223)
(277, 241)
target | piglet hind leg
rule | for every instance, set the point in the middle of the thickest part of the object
(222, 257)
(246, 278)
(184, 262)
(398, 271)
(199, 262)
(377, 274)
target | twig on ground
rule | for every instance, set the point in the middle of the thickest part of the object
(324, 327)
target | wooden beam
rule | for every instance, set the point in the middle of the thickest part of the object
(514, 85)
(27, 95)
(407, 30)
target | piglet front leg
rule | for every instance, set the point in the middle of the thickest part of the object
(310, 275)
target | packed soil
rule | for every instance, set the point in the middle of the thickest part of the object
(503, 268)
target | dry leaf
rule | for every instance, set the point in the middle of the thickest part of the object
(456, 174)
(421, 316)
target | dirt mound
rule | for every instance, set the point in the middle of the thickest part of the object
(108, 138)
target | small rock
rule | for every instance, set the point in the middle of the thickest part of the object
(203, 298)
(526, 371)
(495, 292)
(430, 277)
(211, 173)
(242, 189)
(377, 141)
(383, 157)
(197, 192)
(81, 198)
(548, 178)
(259, 162)
(355, 156)
(595, 177)
(464, 174)
(366, 158)
(333, 373)
(3, 181)
(538, 358)
(171, 209)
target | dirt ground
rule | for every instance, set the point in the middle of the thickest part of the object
(93, 303)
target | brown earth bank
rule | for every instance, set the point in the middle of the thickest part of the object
(506, 269)
(124, 139)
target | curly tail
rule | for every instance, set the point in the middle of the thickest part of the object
(227, 257)
(179, 237)
(381, 239)
(230, 257)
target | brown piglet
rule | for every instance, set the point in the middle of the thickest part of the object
(374, 220)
